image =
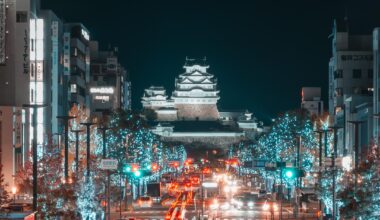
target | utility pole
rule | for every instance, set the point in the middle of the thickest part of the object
(76, 150)
(34, 149)
(66, 119)
(333, 156)
(88, 125)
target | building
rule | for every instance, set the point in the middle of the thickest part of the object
(21, 81)
(109, 87)
(350, 87)
(376, 82)
(53, 83)
(196, 95)
(76, 60)
(311, 100)
(190, 115)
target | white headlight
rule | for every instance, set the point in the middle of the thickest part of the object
(250, 203)
(265, 207)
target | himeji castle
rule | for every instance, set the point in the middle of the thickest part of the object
(191, 112)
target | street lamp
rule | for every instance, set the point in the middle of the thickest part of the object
(333, 156)
(14, 191)
(66, 119)
(77, 149)
(108, 206)
(88, 125)
(34, 149)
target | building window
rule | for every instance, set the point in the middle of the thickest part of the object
(338, 74)
(370, 73)
(338, 92)
(357, 73)
(73, 88)
(21, 17)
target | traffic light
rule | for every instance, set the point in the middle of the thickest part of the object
(127, 168)
(176, 164)
(154, 167)
(135, 167)
(292, 172)
(137, 173)
(148, 167)
(289, 174)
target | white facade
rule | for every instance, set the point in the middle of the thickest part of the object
(351, 89)
(195, 96)
(196, 85)
(376, 82)
(22, 80)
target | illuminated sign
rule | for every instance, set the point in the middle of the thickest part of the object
(66, 54)
(102, 90)
(210, 184)
(85, 34)
(104, 98)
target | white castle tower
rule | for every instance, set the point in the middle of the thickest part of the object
(195, 96)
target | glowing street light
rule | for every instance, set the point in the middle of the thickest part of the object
(14, 191)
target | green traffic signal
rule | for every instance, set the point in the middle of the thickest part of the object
(127, 169)
(292, 172)
(148, 167)
(289, 174)
(137, 173)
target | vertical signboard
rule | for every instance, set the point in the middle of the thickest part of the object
(66, 54)
(2, 32)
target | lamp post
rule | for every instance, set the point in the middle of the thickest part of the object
(333, 156)
(356, 149)
(77, 149)
(88, 125)
(66, 119)
(108, 206)
(34, 149)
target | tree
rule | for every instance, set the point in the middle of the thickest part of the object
(87, 202)
(4, 195)
(280, 144)
(360, 197)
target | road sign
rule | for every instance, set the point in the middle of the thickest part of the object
(108, 164)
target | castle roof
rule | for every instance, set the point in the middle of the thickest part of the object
(192, 62)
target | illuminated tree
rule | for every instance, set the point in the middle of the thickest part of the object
(362, 200)
(280, 144)
(4, 195)
(87, 200)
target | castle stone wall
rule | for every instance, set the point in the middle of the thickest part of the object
(202, 112)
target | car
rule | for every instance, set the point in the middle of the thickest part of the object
(167, 202)
(219, 203)
(246, 201)
(17, 207)
(270, 206)
(309, 203)
(262, 193)
(145, 202)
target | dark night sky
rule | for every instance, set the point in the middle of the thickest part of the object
(262, 52)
